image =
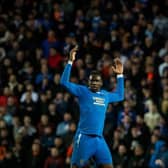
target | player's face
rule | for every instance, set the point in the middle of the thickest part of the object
(95, 83)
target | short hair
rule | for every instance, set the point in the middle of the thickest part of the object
(96, 73)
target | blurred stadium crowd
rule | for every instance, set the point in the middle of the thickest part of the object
(38, 117)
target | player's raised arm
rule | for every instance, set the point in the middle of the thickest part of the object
(65, 78)
(118, 66)
(72, 55)
(118, 94)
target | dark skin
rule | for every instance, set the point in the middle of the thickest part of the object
(95, 83)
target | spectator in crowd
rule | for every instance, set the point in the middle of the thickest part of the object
(152, 116)
(47, 138)
(68, 137)
(9, 160)
(127, 111)
(138, 159)
(54, 116)
(163, 65)
(35, 39)
(158, 150)
(63, 126)
(16, 126)
(60, 145)
(43, 104)
(43, 123)
(54, 59)
(27, 131)
(33, 94)
(28, 107)
(35, 157)
(54, 159)
(44, 73)
(115, 140)
(121, 157)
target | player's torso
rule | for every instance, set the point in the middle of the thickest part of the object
(92, 103)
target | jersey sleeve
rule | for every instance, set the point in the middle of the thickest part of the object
(118, 94)
(71, 87)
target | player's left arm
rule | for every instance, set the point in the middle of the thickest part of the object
(118, 94)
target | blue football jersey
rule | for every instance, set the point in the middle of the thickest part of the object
(92, 105)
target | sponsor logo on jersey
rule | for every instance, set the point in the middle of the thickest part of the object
(99, 101)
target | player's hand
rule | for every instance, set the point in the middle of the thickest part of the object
(159, 163)
(73, 53)
(118, 66)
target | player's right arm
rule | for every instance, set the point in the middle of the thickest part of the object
(65, 78)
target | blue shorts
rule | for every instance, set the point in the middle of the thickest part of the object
(88, 146)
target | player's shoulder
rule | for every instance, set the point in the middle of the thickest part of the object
(83, 87)
(104, 91)
(84, 90)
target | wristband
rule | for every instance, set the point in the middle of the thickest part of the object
(70, 62)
